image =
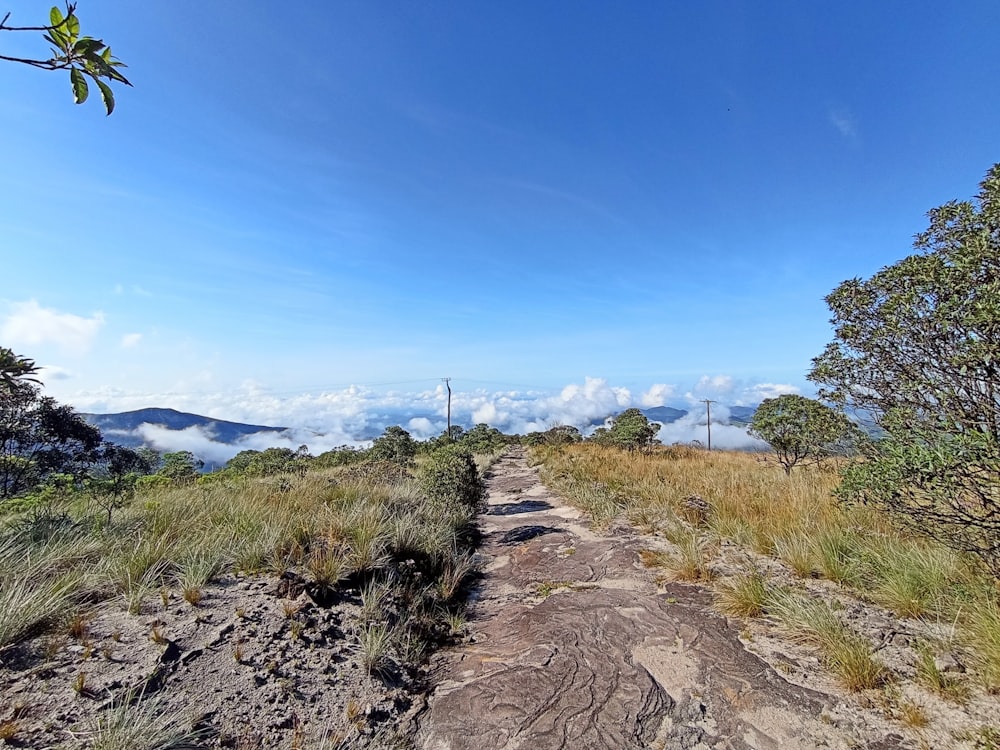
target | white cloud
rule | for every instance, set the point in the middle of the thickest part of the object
(762, 391)
(30, 324)
(694, 427)
(422, 428)
(844, 121)
(131, 339)
(711, 387)
(486, 413)
(657, 395)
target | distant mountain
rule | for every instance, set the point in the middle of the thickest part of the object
(664, 414)
(121, 428)
(741, 414)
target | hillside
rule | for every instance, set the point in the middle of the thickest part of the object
(122, 427)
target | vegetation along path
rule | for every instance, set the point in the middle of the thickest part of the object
(574, 644)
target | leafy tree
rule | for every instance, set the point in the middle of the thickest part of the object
(180, 466)
(917, 347)
(111, 479)
(269, 462)
(40, 437)
(395, 445)
(484, 439)
(343, 455)
(632, 430)
(800, 430)
(16, 370)
(242, 461)
(83, 56)
(601, 436)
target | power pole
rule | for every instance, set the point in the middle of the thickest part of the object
(447, 383)
(708, 420)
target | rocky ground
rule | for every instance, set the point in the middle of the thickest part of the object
(570, 643)
(255, 664)
(575, 644)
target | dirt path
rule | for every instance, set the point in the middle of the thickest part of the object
(575, 646)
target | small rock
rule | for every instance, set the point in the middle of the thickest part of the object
(948, 663)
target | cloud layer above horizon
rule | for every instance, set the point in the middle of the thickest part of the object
(354, 415)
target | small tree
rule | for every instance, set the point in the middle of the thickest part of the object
(917, 348)
(395, 445)
(632, 430)
(40, 437)
(180, 467)
(111, 480)
(484, 439)
(800, 430)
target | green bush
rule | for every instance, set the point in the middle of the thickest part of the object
(449, 474)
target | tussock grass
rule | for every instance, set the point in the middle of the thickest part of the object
(847, 654)
(983, 635)
(376, 641)
(27, 605)
(948, 686)
(915, 579)
(798, 552)
(690, 563)
(839, 554)
(134, 724)
(745, 595)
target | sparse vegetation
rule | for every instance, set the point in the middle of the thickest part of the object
(796, 520)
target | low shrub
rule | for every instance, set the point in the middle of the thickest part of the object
(449, 475)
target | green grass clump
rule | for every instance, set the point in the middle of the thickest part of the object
(848, 655)
(746, 595)
(983, 635)
(134, 724)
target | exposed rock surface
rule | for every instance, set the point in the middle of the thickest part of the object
(574, 645)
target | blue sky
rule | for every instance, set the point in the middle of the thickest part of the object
(302, 197)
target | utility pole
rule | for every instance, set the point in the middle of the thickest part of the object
(447, 384)
(708, 420)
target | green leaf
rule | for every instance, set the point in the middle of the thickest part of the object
(55, 16)
(72, 26)
(80, 90)
(87, 45)
(56, 39)
(107, 96)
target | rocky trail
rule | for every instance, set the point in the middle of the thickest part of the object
(575, 645)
